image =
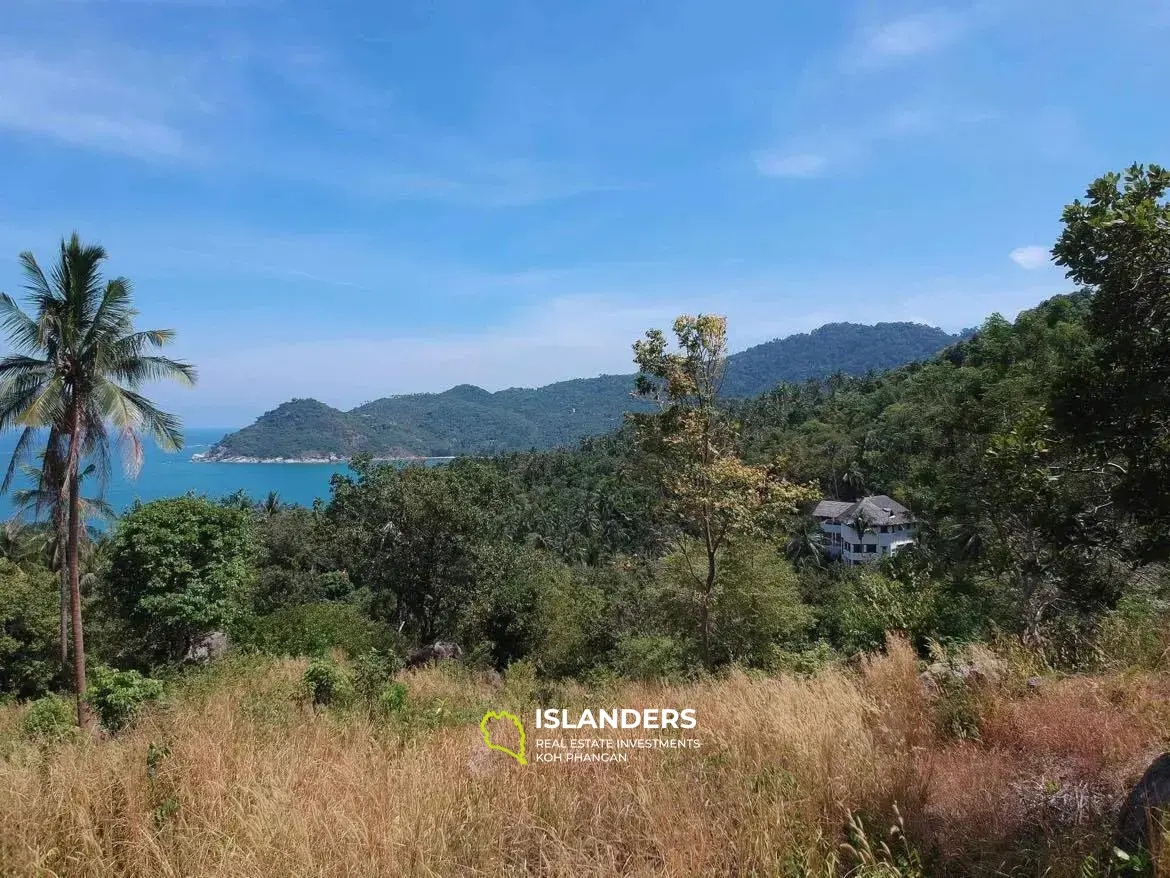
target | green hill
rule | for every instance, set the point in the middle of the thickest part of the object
(472, 421)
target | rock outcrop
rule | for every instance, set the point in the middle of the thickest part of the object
(1146, 808)
(208, 647)
(434, 652)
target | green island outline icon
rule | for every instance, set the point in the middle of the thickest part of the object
(487, 736)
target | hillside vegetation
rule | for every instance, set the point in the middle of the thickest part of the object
(975, 704)
(469, 420)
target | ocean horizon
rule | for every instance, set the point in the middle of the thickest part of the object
(173, 474)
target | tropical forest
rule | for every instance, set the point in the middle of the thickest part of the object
(238, 685)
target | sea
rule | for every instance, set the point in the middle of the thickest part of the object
(170, 474)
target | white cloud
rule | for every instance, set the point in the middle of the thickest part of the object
(799, 164)
(837, 148)
(84, 100)
(915, 35)
(1031, 257)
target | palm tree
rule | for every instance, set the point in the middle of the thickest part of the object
(76, 373)
(805, 546)
(44, 495)
(21, 544)
(271, 505)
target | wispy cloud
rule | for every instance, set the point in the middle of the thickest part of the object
(841, 147)
(211, 105)
(1031, 257)
(777, 163)
(843, 117)
(83, 102)
(890, 42)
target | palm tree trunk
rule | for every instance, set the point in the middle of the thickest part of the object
(72, 468)
(63, 578)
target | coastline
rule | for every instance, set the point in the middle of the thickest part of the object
(332, 459)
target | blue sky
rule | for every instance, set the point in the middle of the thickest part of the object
(351, 199)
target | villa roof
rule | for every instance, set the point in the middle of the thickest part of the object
(830, 508)
(876, 510)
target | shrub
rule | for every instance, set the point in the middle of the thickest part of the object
(1135, 634)
(579, 624)
(327, 684)
(393, 699)
(372, 671)
(28, 631)
(757, 607)
(51, 718)
(649, 658)
(506, 614)
(315, 630)
(118, 696)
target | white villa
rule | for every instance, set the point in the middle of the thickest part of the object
(865, 530)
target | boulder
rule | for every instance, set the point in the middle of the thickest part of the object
(208, 647)
(1146, 805)
(973, 666)
(434, 652)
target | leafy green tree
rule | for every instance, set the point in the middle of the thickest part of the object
(421, 539)
(1117, 400)
(28, 635)
(180, 568)
(710, 493)
(506, 615)
(77, 371)
(756, 609)
(578, 621)
(295, 565)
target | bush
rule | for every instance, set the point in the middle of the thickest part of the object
(315, 630)
(372, 671)
(49, 719)
(757, 611)
(505, 617)
(649, 658)
(1135, 634)
(327, 684)
(393, 699)
(28, 631)
(580, 620)
(118, 696)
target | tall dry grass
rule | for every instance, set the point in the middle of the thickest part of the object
(246, 781)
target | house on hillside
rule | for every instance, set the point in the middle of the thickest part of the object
(865, 530)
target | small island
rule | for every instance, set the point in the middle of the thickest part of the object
(469, 421)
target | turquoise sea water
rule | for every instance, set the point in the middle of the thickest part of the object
(167, 475)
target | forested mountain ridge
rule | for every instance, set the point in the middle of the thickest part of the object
(469, 420)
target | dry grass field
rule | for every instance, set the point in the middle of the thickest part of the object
(237, 776)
